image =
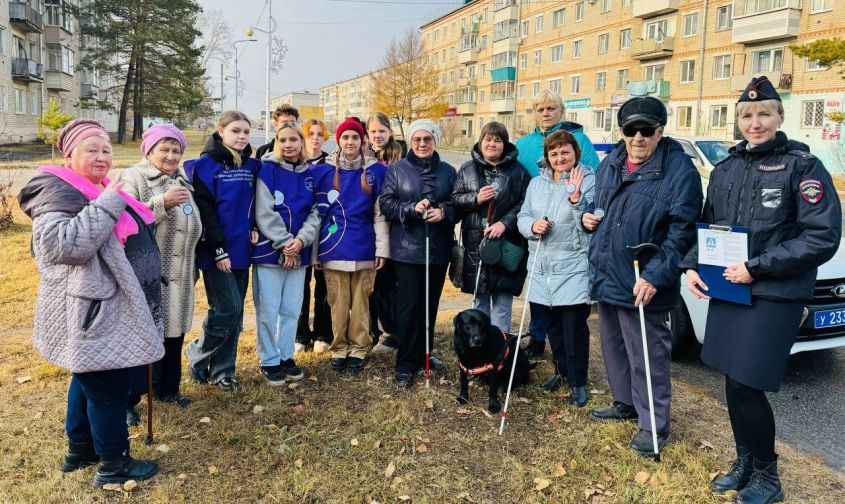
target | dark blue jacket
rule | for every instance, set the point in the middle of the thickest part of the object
(409, 181)
(658, 203)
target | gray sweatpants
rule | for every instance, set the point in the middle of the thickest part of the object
(621, 346)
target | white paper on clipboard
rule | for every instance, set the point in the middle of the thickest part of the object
(720, 246)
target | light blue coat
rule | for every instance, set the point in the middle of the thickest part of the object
(561, 276)
(530, 147)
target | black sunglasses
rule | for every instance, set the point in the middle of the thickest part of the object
(632, 130)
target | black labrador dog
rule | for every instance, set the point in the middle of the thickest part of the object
(486, 353)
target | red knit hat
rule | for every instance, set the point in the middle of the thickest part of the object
(351, 123)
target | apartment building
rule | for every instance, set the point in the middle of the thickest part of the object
(352, 97)
(40, 47)
(307, 102)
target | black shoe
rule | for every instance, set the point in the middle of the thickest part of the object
(619, 411)
(291, 370)
(404, 380)
(196, 376)
(79, 455)
(643, 443)
(436, 364)
(227, 384)
(338, 363)
(355, 365)
(535, 349)
(274, 374)
(177, 399)
(553, 383)
(763, 486)
(133, 419)
(738, 476)
(578, 396)
(122, 468)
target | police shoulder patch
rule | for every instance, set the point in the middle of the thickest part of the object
(811, 190)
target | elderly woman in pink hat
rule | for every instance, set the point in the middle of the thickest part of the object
(97, 313)
(160, 183)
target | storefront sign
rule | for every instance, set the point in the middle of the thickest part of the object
(576, 104)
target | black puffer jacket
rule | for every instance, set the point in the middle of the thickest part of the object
(513, 181)
(786, 199)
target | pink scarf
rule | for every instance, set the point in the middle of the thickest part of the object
(125, 225)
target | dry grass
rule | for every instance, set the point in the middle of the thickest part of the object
(300, 448)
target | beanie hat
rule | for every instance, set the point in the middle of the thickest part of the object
(425, 125)
(76, 131)
(159, 132)
(351, 123)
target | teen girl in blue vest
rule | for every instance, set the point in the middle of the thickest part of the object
(353, 241)
(223, 179)
(287, 221)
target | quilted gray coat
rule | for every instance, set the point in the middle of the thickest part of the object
(90, 312)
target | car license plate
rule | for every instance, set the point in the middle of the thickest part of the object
(829, 318)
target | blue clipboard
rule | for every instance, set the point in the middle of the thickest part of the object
(720, 287)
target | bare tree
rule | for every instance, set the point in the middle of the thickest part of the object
(216, 36)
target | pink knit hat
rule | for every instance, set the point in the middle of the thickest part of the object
(159, 132)
(76, 131)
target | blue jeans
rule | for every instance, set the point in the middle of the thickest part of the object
(502, 304)
(96, 410)
(539, 324)
(213, 354)
(277, 294)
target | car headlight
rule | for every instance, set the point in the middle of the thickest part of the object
(804, 315)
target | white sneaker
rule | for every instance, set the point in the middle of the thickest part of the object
(382, 348)
(321, 346)
(298, 348)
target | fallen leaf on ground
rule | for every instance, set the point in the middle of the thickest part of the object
(444, 381)
(706, 444)
(463, 411)
(391, 468)
(38, 415)
(422, 448)
(524, 400)
(589, 492)
(541, 484)
(257, 409)
(429, 404)
(134, 436)
(377, 445)
(642, 477)
(466, 496)
(573, 465)
(558, 471)
(163, 448)
(114, 487)
(596, 391)
(205, 420)
(298, 463)
(130, 485)
(182, 476)
(396, 481)
(23, 379)
(293, 386)
(404, 498)
(353, 442)
(213, 470)
(486, 413)
(299, 409)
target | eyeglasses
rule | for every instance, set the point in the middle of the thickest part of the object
(632, 130)
(423, 140)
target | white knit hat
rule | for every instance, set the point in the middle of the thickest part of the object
(425, 125)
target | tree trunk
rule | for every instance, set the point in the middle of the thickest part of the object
(124, 101)
(138, 100)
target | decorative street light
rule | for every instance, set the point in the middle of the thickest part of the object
(280, 51)
(237, 71)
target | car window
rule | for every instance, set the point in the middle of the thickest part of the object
(715, 150)
(689, 150)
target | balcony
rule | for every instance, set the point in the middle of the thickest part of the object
(780, 23)
(652, 49)
(506, 44)
(507, 73)
(656, 88)
(466, 108)
(507, 12)
(57, 80)
(56, 35)
(502, 105)
(651, 8)
(467, 81)
(25, 17)
(468, 55)
(26, 70)
(90, 91)
(781, 80)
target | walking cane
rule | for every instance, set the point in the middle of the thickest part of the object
(519, 334)
(635, 252)
(427, 344)
(149, 404)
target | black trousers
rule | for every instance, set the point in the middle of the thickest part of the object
(752, 419)
(322, 330)
(569, 336)
(410, 312)
(167, 373)
(383, 302)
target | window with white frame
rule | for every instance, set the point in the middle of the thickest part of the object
(538, 57)
(690, 24)
(538, 24)
(621, 78)
(688, 71)
(556, 53)
(483, 70)
(554, 86)
(626, 3)
(724, 17)
(719, 116)
(535, 88)
(558, 18)
(20, 101)
(572, 116)
(577, 45)
(657, 30)
(579, 12)
(469, 125)
(606, 5)
(769, 60)
(625, 38)
(820, 5)
(812, 113)
(33, 103)
(601, 81)
(722, 66)
(653, 72)
(526, 27)
(523, 61)
(575, 84)
(501, 90)
(481, 96)
(437, 35)
(604, 43)
(813, 65)
(684, 117)
(2, 40)
(598, 119)
(520, 91)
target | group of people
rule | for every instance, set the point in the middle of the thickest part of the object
(374, 223)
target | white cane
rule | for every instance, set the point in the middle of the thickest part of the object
(427, 344)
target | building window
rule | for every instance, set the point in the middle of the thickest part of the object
(20, 101)
(621, 78)
(523, 61)
(558, 18)
(604, 43)
(33, 103)
(601, 81)
(538, 24)
(722, 67)
(598, 119)
(606, 5)
(820, 5)
(538, 57)
(626, 3)
(554, 86)
(483, 69)
(520, 91)
(437, 35)
(719, 116)
(483, 44)
(724, 17)
(653, 72)
(481, 96)
(625, 38)
(812, 114)
(576, 48)
(579, 12)
(556, 53)
(535, 88)
(688, 71)
(504, 59)
(684, 117)
(690, 26)
(2, 40)
(575, 84)
(526, 27)
(501, 90)
(657, 31)
(813, 65)
(770, 60)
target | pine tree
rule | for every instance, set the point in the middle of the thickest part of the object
(49, 124)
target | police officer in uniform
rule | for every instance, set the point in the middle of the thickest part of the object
(785, 197)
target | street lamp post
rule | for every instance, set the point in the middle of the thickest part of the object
(237, 71)
(271, 28)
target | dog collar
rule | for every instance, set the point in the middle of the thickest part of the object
(489, 366)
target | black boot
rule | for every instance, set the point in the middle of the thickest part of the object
(738, 476)
(79, 455)
(578, 396)
(535, 349)
(763, 486)
(122, 468)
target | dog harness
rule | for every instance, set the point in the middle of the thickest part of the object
(489, 366)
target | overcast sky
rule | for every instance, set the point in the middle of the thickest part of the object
(327, 41)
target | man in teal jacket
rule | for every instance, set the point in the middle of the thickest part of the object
(548, 114)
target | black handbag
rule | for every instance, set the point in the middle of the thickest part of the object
(456, 264)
